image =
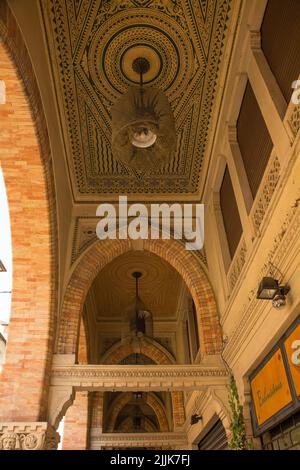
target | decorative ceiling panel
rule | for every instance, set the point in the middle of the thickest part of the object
(159, 286)
(91, 42)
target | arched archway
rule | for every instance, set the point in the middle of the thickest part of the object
(26, 162)
(159, 355)
(147, 346)
(102, 252)
(127, 424)
(120, 402)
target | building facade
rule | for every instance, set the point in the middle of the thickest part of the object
(133, 343)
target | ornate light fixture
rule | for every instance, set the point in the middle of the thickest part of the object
(270, 289)
(143, 127)
(141, 313)
(195, 419)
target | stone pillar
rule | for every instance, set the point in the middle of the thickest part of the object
(97, 410)
(222, 258)
(178, 410)
(248, 422)
(28, 436)
(75, 436)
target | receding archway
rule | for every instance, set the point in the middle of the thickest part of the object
(172, 251)
(159, 355)
(151, 399)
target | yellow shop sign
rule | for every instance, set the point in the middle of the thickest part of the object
(292, 347)
(270, 388)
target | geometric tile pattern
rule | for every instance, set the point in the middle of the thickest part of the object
(87, 40)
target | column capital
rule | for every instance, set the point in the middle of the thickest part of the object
(28, 436)
(232, 134)
(255, 40)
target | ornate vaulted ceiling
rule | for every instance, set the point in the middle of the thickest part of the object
(159, 287)
(91, 45)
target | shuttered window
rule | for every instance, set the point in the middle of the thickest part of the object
(254, 140)
(280, 33)
(230, 213)
(215, 439)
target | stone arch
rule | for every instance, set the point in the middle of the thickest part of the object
(151, 399)
(26, 161)
(214, 406)
(102, 252)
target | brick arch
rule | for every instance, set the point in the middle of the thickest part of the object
(26, 162)
(127, 425)
(151, 399)
(160, 355)
(148, 346)
(173, 252)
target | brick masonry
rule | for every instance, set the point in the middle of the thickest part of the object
(27, 166)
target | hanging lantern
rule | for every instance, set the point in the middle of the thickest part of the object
(138, 312)
(143, 127)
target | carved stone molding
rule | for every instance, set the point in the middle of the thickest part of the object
(294, 120)
(266, 192)
(237, 264)
(85, 236)
(60, 398)
(153, 377)
(28, 436)
(160, 439)
(255, 40)
(252, 309)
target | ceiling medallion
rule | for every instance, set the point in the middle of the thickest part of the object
(143, 126)
(131, 57)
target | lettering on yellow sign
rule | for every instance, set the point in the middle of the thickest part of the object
(270, 388)
(262, 398)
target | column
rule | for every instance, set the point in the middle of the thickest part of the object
(220, 249)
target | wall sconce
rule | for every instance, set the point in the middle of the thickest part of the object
(269, 289)
(195, 419)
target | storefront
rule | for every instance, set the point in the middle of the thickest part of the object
(275, 388)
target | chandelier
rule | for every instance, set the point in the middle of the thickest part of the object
(143, 127)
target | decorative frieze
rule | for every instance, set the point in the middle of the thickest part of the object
(237, 264)
(266, 192)
(251, 311)
(153, 377)
(28, 436)
(294, 120)
(146, 440)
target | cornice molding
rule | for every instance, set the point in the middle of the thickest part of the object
(153, 377)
